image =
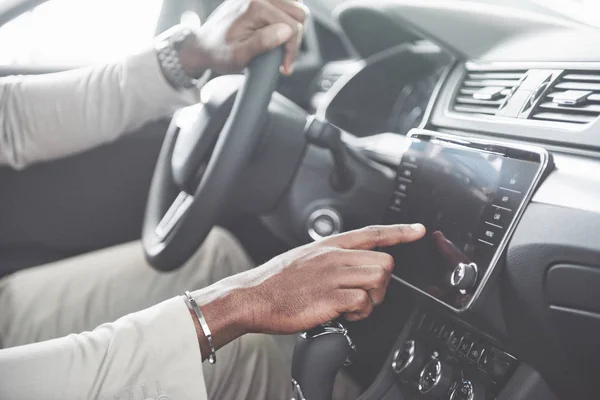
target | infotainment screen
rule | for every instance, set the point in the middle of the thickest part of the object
(468, 195)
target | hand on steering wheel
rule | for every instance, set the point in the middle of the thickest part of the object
(240, 30)
(190, 188)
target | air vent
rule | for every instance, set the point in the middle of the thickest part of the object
(483, 92)
(574, 98)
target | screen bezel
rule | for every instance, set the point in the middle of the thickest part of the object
(512, 150)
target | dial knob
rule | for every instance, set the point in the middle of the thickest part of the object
(408, 360)
(435, 379)
(323, 223)
(464, 276)
(466, 390)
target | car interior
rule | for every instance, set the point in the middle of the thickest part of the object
(477, 118)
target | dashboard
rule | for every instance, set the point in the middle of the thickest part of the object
(492, 304)
(364, 101)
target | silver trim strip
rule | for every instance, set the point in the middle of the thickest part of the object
(502, 208)
(509, 190)
(436, 93)
(494, 225)
(488, 243)
(492, 268)
(180, 205)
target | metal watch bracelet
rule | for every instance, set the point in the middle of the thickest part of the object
(166, 47)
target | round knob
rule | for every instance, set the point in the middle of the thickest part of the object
(435, 379)
(324, 222)
(407, 361)
(464, 276)
(466, 390)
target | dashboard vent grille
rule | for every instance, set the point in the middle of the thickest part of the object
(574, 98)
(483, 92)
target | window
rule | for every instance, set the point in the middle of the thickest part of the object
(78, 32)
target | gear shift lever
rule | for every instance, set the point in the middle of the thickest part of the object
(319, 355)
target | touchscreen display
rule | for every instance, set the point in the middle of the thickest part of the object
(466, 198)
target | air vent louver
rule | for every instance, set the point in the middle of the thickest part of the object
(574, 98)
(483, 92)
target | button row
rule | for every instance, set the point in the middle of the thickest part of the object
(489, 360)
(514, 181)
(406, 174)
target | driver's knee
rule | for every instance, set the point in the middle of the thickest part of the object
(251, 367)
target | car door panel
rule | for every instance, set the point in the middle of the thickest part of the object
(81, 203)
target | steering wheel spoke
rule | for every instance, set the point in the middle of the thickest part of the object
(173, 230)
(178, 208)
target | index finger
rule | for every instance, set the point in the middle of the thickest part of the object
(376, 236)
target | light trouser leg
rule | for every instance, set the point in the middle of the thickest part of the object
(80, 293)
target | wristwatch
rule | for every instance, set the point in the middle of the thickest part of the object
(167, 50)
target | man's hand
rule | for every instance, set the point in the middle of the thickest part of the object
(307, 286)
(239, 30)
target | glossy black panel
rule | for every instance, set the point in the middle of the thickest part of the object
(467, 195)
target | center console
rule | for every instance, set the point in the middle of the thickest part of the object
(445, 359)
(469, 194)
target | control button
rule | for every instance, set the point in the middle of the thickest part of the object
(411, 159)
(466, 390)
(490, 235)
(454, 341)
(463, 391)
(406, 173)
(445, 333)
(465, 346)
(402, 187)
(484, 360)
(498, 217)
(516, 177)
(407, 362)
(435, 379)
(464, 276)
(476, 351)
(508, 199)
(323, 223)
(397, 202)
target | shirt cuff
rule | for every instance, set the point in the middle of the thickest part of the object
(176, 355)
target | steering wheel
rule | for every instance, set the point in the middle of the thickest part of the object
(191, 186)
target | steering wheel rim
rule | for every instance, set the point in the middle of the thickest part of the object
(174, 229)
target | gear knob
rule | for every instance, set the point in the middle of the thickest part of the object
(319, 355)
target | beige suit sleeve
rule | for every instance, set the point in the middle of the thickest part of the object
(145, 355)
(50, 116)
